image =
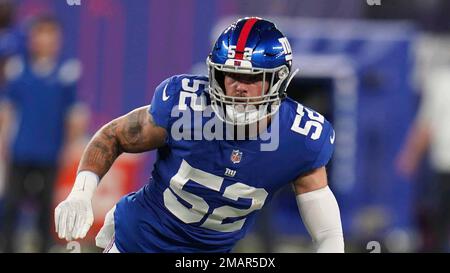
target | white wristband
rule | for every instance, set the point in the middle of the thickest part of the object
(85, 184)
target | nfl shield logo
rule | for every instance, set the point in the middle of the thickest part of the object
(236, 156)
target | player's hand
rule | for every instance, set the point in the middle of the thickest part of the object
(74, 217)
(106, 233)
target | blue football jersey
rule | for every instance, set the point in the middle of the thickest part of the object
(41, 100)
(204, 192)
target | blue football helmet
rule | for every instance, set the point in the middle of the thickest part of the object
(252, 46)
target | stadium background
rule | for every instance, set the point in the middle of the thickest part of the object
(360, 64)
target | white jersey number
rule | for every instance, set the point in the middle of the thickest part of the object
(316, 121)
(197, 103)
(198, 206)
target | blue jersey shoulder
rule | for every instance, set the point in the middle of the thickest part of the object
(311, 132)
(176, 93)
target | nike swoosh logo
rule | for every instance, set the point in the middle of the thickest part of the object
(164, 95)
(332, 137)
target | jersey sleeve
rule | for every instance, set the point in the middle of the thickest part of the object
(162, 103)
(326, 148)
(11, 93)
(69, 75)
(14, 68)
(320, 150)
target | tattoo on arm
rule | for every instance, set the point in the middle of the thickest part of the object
(135, 132)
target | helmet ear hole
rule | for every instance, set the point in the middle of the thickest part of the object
(283, 73)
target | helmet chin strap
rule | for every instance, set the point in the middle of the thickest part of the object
(291, 77)
(288, 81)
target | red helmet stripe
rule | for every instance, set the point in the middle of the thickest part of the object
(243, 36)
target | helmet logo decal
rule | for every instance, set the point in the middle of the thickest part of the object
(286, 48)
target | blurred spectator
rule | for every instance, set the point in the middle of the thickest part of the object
(11, 41)
(430, 131)
(40, 116)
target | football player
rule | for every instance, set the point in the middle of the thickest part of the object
(204, 193)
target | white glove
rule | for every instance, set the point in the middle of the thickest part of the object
(74, 216)
(106, 233)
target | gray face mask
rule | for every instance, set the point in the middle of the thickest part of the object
(247, 110)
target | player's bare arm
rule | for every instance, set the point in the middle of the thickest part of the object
(311, 181)
(134, 132)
